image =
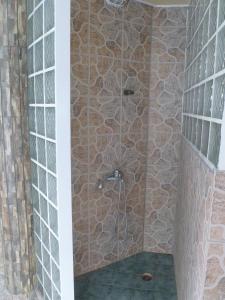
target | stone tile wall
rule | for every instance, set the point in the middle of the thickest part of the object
(110, 53)
(15, 209)
(164, 133)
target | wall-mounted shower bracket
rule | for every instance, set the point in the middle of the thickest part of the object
(116, 175)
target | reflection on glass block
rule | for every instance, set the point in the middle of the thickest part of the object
(205, 138)
(30, 6)
(37, 2)
(37, 225)
(47, 284)
(30, 90)
(199, 134)
(42, 180)
(30, 31)
(220, 51)
(50, 87)
(54, 248)
(214, 148)
(34, 174)
(196, 99)
(41, 151)
(213, 17)
(40, 120)
(32, 123)
(50, 123)
(30, 60)
(44, 208)
(35, 198)
(33, 150)
(201, 100)
(39, 91)
(38, 22)
(51, 156)
(52, 195)
(219, 97)
(45, 235)
(56, 296)
(211, 57)
(56, 275)
(49, 14)
(46, 260)
(208, 98)
(53, 219)
(221, 12)
(39, 269)
(37, 245)
(38, 56)
(203, 65)
(49, 50)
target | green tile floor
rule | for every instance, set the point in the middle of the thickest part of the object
(122, 280)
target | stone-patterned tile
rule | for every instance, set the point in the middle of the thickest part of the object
(138, 13)
(104, 115)
(79, 75)
(136, 42)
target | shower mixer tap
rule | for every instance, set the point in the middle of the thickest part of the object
(116, 175)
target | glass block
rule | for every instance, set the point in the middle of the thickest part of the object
(201, 100)
(56, 295)
(208, 98)
(37, 2)
(40, 120)
(213, 18)
(30, 90)
(47, 284)
(221, 12)
(38, 23)
(39, 90)
(35, 198)
(45, 235)
(33, 149)
(39, 270)
(30, 60)
(203, 65)
(205, 138)
(220, 51)
(41, 151)
(49, 50)
(30, 31)
(196, 99)
(46, 260)
(32, 123)
(30, 6)
(37, 224)
(49, 14)
(37, 245)
(50, 123)
(51, 156)
(56, 275)
(214, 147)
(34, 174)
(44, 208)
(38, 56)
(54, 248)
(42, 180)
(40, 288)
(194, 130)
(199, 134)
(53, 219)
(189, 128)
(210, 57)
(52, 194)
(205, 28)
(50, 87)
(219, 98)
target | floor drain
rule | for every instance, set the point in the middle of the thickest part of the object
(147, 277)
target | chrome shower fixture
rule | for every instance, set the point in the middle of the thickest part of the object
(116, 175)
(117, 3)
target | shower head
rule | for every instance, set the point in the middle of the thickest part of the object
(117, 3)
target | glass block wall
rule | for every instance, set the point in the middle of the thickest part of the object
(203, 103)
(41, 95)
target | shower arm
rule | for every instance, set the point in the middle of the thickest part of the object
(116, 175)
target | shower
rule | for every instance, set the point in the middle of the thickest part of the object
(117, 3)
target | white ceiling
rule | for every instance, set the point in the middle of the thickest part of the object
(167, 2)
